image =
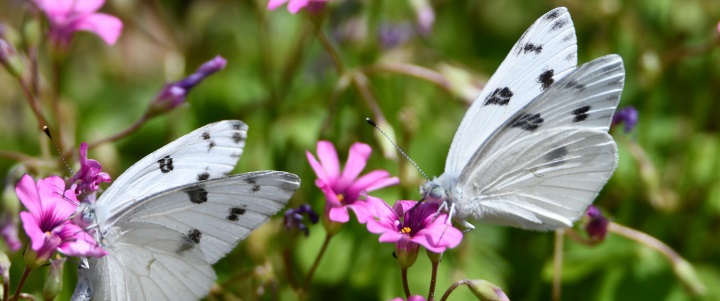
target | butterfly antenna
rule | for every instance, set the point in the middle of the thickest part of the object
(46, 129)
(369, 121)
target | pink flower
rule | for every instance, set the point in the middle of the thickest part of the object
(8, 231)
(343, 190)
(597, 224)
(294, 6)
(408, 224)
(412, 298)
(90, 174)
(47, 220)
(68, 16)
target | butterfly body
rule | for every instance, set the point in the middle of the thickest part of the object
(533, 149)
(174, 213)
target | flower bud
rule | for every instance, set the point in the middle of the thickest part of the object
(53, 282)
(486, 291)
(406, 253)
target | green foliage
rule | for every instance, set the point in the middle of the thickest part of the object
(281, 81)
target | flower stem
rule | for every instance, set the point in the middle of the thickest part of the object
(644, 239)
(557, 264)
(134, 127)
(416, 71)
(24, 276)
(433, 281)
(6, 287)
(406, 286)
(325, 42)
(27, 297)
(453, 287)
(55, 100)
(311, 273)
(287, 260)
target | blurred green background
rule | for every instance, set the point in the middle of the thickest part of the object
(282, 83)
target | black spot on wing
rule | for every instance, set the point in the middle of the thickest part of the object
(211, 145)
(530, 47)
(203, 176)
(559, 24)
(237, 125)
(235, 212)
(501, 96)
(552, 15)
(556, 156)
(238, 137)
(575, 85)
(253, 181)
(568, 37)
(570, 56)
(580, 114)
(546, 78)
(197, 194)
(189, 241)
(528, 122)
(166, 164)
(206, 135)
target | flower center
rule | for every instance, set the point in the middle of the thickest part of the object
(341, 197)
(405, 230)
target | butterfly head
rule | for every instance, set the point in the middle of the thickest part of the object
(433, 192)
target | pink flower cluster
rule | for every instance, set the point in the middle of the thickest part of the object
(68, 16)
(407, 223)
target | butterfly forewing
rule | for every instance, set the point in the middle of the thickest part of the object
(545, 53)
(587, 98)
(209, 152)
(217, 213)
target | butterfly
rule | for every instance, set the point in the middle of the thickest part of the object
(533, 150)
(174, 213)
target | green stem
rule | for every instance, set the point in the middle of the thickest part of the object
(453, 287)
(311, 273)
(325, 42)
(406, 286)
(416, 71)
(134, 127)
(24, 277)
(557, 264)
(433, 281)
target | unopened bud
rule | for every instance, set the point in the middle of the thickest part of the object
(53, 283)
(487, 291)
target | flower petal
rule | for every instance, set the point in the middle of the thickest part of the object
(371, 181)
(357, 158)
(76, 242)
(316, 166)
(56, 202)
(32, 229)
(339, 214)
(273, 4)
(294, 6)
(328, 158)
(362, 213)
(26, 191)
(107, 27)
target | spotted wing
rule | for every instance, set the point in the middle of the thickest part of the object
(209, 152)
(161, 248)
(545, 53)
(544, 166)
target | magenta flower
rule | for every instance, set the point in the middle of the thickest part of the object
(68, 16)
(412, 298)
(294, 6)
(408, 224)
(173, 94)
(90, 175)
(9, 232)
(47, 221)
(343, 190)
(597, 224)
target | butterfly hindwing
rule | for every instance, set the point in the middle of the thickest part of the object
(209, 152)
(545, 53)
(162, 248)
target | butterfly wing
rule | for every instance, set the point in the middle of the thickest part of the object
(161, 248)
(544, 166)
(545, 53)
(209, 152)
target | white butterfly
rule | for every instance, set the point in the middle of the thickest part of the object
(533, 150)
(174, 213)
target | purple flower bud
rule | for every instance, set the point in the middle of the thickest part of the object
(90, 174)
(294, 218)
(597, 224)
(393, 35)
(627, 115)
(173, 94)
